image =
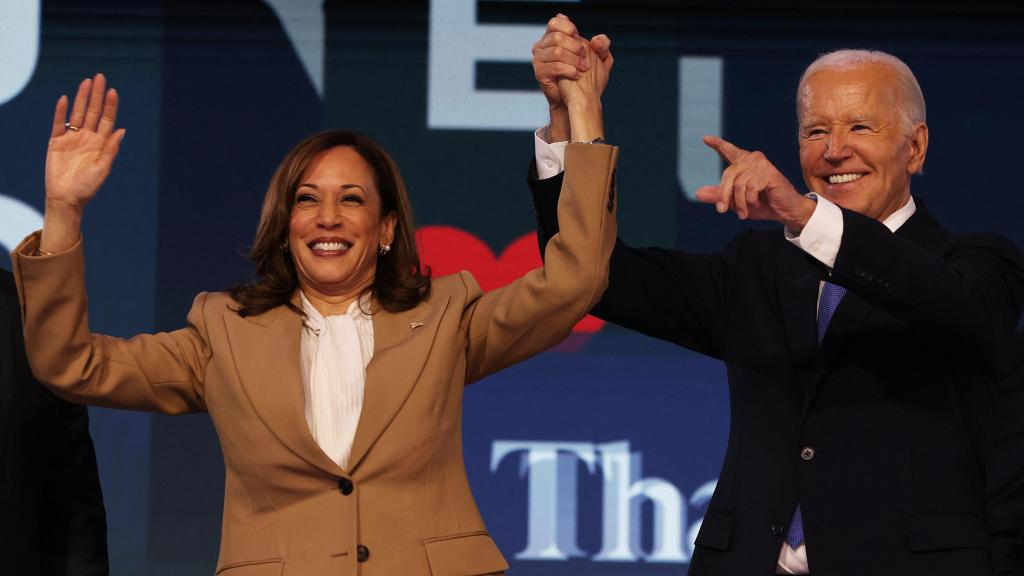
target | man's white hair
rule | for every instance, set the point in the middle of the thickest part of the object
(908, 96)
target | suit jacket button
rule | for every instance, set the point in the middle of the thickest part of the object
(807, 453)
(362, 553)
(778, 529)
(345, 486)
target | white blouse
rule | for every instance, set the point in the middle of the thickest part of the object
(333, 353)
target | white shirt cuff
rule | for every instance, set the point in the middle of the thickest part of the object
(550, 157)
(823, 232)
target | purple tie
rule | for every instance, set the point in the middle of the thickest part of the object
(831, 295)
(795, 535)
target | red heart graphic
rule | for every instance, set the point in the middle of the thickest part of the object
(447, 250)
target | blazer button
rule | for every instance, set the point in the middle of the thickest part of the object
(362, 553)
(345, 486)
(807, 453)
(778, 529)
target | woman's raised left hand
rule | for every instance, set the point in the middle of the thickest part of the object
(81, 151)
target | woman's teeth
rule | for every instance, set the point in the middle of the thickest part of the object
(331, 246)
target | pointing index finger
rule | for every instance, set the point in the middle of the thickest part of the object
(726, 150)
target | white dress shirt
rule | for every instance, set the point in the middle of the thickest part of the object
(820, 238)
(333, 353)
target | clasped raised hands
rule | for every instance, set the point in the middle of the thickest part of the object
(572, 73)
(562, 56)
(83, 146)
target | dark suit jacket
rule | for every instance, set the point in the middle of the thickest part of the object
(897, 404)
(52, 520)
(1005, 471)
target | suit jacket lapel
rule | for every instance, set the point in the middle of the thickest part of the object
(921, 228)
(402, 344)
(848, 318)
(265, 349)
(799, 276)
(853, 312)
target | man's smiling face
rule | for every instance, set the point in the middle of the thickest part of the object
(854, 148)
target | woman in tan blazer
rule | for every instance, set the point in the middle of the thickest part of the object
(335, 238)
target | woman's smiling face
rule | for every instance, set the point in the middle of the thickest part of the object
(336, 225)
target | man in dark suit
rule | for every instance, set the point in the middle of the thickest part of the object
(52, 520)
(864, 343)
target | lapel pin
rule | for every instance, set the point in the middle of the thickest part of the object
(415, 325)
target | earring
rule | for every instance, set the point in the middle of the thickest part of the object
(284, 245)
(384, 249)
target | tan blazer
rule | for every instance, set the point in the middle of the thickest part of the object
(404, 505)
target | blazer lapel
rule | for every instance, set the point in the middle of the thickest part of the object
(921, 228)
(848, 318)
(799, 276)
(853, 312)
(265, 349)
(402, 344)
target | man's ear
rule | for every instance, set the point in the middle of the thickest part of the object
(918, 149)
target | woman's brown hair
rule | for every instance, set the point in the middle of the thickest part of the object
(400, 282)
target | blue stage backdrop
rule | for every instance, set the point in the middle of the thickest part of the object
(596, 458)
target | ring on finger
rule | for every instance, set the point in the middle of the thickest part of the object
(68, 126)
